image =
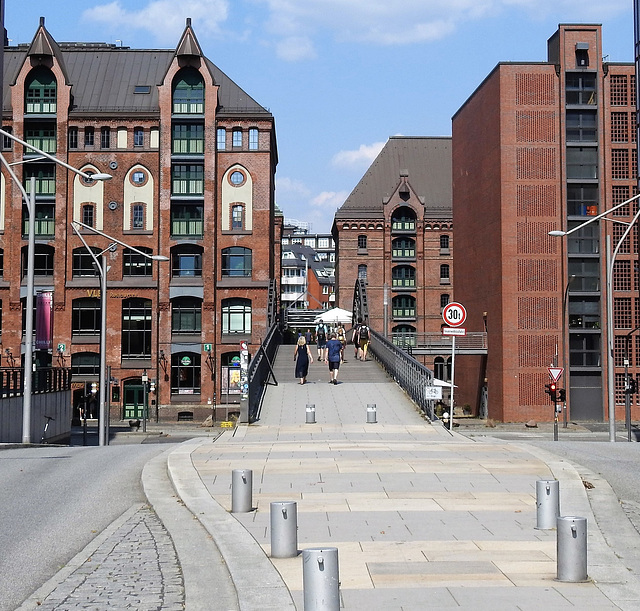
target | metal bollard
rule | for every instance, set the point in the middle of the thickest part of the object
(572, 548)
(311, 413)
(284, 529)
(320, 581)
(241, 487)
(547, 503)
(371, 413)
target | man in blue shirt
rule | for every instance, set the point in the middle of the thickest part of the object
(334, 350)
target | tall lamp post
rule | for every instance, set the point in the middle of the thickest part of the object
(102, 271)
(30, 201)
(611, 257)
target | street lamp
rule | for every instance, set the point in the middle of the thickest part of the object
(30, 201)
(609, 284)
(145, 399)
(102, 271)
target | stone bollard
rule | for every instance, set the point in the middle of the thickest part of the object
(284, 529)
(547, 503)
(241, 488)
(572, 549)
(320, 581)
(372, 415)
(311, 413)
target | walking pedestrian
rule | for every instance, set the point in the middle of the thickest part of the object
(334, 356)
(342, 338)
(302, 357)
(321, 338)
(364, 337)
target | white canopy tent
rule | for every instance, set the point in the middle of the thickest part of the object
(334, 316)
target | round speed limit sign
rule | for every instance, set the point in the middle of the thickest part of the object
(454, 314)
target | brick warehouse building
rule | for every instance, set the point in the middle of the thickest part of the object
(395, 230)
(540, 147)
(193, 161)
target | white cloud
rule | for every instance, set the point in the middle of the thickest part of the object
(329, 200)
(403, 22)
(360, 158)
(295, 48)
(288, 186)
(164, 19)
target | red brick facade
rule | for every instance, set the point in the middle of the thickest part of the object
(533, 152)
(154, 210)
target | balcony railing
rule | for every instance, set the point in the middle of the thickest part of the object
(187, 228)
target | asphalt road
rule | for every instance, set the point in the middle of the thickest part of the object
(54, 502)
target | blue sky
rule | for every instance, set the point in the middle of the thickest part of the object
(340, 76)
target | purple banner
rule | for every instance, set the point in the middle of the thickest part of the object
(44, 320)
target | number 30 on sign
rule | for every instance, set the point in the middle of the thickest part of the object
(454, 314)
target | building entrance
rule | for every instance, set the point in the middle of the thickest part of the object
(133, 401)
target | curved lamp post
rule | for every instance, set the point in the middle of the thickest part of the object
(30, 201)
(609, 284)
(102, 270)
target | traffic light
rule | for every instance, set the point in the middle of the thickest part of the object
(552, 389)
(562, 395)
(632, 386)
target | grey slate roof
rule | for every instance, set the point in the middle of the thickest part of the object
(103, 76)
(427, 160)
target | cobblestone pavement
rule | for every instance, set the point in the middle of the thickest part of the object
(134, 567)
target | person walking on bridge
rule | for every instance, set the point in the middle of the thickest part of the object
(334, 356)
(302, 357)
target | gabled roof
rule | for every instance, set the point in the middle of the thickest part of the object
(189, 44)
(104, 77)
(43, 45)
(425, 163)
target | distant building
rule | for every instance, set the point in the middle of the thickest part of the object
(395, 231)
(308, 268)
(539, 147)
(193, 161)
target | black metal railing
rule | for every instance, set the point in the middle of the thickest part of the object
(413, 377)
(44, 380)
(261, 369)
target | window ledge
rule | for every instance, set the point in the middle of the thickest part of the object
(235, 338)
(143, 363)
(85, 339)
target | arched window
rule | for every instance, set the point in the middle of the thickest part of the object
(439, 371)
(186, 261)
(185, 373)
(253, 139)
(362, 242)
(136, 328)
(444, 244)
(403, 335)
(88, 214)
(135, 264)
(236, 139)
(362, 272)
(186, 315)
(403, 276)
(404, 306)
(236, 262)
(138, 136)
(236, 316)
(237, 216)
(85, 316)
(43, 260)
(444, 300)
(403, 248)
(403, 219)
(83, 265)
(444, 274)
(188, 93)
(85, 364)
(40, 94)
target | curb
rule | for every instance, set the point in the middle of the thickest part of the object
(257, 582)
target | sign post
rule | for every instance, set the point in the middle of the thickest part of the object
(454, 315)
